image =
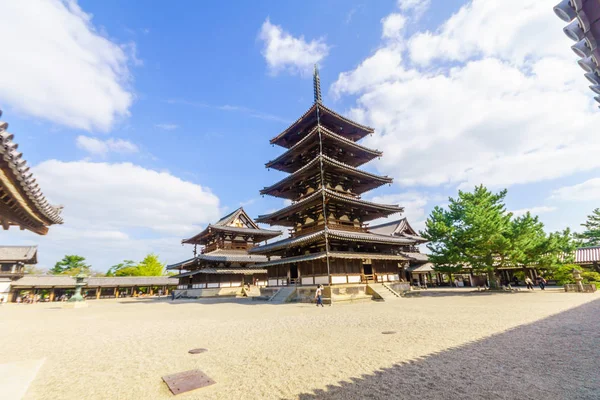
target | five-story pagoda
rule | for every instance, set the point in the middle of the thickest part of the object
(329, 241)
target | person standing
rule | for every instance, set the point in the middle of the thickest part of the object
(541, 282)
(529, 283)
(319, 296)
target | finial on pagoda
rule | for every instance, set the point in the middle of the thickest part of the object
(317, 85)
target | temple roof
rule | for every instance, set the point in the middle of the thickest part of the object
(339, 124)
(364, 181)
(236, 222)
(332, 234)
(370, 209)
(23, 254)
(47, 281)
(222, 271)
(22, 203)
(399, 227)
(587, 255)
(333, 254)
(291, 160)
(220, 256)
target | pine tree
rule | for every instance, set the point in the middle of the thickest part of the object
(591, 235)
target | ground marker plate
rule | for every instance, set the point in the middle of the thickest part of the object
(388, 332)
(188, 380)
(197, 351)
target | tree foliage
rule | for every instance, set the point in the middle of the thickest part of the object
(71, 265)
(591, 235)
(149, 266)
(477, 232)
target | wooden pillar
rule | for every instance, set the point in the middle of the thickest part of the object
(116, 293)
(166, 291)
(151, 291)
(52, 294)
(98, 291)
(133, 291)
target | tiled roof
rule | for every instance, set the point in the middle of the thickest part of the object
(332, 233)
(24, 254)
(329, 163)
(331, 194)
(224, 223)
(240, 271)
(325, 110)
(22, 186)
(416, 256)
(220, 255)
(333, 254)
(426, 267)
(587, 255)
(68, 281)
(326, 133)
(400, 227)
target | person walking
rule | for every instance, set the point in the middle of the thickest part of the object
(541, 282)
(529, 283)
(319, 296)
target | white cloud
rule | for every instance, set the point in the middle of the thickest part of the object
(585, 191)
(167, 127)
(283, 52)
(57, 66)
(393, 25)
(103, 147)
(533, 210)
(503, 111)
(120, 211)
(414, 207)
(406, 5)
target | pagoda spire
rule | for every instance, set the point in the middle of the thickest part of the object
(317, 85)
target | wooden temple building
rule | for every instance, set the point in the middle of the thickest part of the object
(330, 240)
(22, 203)
(224, 266)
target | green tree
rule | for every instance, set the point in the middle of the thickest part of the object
(119, 268)
(70, 265)
(149, 266)
(472, 232)
(591, 235)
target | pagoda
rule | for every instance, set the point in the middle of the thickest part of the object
(330, 242)
(223, 266)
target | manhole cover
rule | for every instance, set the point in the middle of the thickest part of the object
(388, 332)
(197, 351)
(188, 380)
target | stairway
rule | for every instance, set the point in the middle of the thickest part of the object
(381, 291)
(253, 291)
(283, 295)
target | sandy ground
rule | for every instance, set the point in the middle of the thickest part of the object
(447, 344)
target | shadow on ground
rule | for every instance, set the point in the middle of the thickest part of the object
(554, 358)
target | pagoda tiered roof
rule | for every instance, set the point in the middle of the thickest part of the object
(353, 205)
(328, 118)
(236, 223)
(344, 236)
(293, 186)
(334, 145)
(21, 200)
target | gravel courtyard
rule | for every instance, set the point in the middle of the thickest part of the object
(446, 345)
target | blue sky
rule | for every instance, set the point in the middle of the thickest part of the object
(148, 122)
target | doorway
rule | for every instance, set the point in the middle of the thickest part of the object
(293, 273)
(368, 270)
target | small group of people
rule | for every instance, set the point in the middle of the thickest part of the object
(540, 281)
